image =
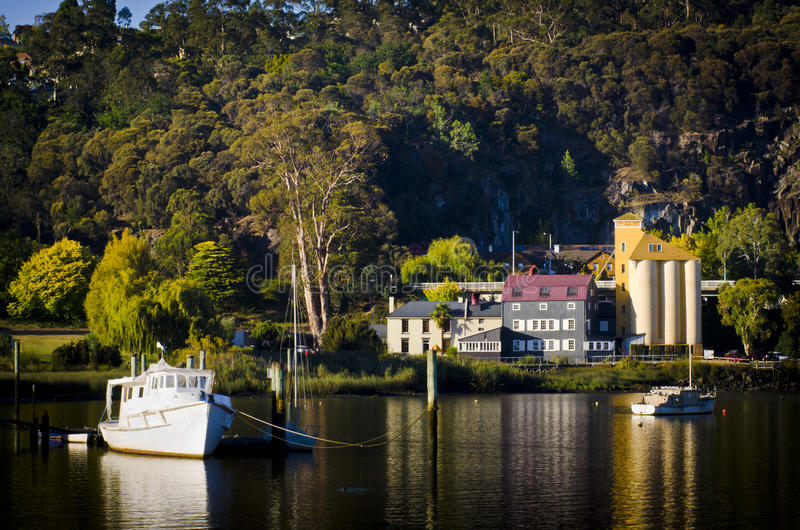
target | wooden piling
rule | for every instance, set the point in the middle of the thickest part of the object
(190, 361)
(134, 360)
(144, 362)
(45, 428)
(202, 359)
(277, 390)
(16, 374)
(433, 388)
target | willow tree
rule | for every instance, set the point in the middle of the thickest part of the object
(314, 166)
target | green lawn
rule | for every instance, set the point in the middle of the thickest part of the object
(42, 342)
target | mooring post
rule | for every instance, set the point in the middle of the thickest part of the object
(45, 433)
(277, 389)
(202, 359)
(433, 405)
(190, 361)
(34, 434)
(16, 374)
(144, 362)
(134, 360)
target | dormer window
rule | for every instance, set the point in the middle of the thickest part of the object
(572, 290)
(654, 247)
(544, 292)
(516, 292)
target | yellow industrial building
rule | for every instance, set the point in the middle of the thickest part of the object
(657, 287)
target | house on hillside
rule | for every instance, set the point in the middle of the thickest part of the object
(554, 317)
(410, 329)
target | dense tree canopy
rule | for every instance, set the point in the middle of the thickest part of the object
(52, 284)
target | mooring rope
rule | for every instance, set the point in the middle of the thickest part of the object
(337, 444)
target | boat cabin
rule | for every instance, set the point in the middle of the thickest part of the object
(161, 385)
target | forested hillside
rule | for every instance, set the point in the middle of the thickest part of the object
(469, 117)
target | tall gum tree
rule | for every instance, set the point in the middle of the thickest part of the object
(314, 165)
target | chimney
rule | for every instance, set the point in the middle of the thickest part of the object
(391, 304)
(466, 307)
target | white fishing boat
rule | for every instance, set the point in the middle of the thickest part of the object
(167, 411)
(676, 400)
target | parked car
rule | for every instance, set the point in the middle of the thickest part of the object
(735, 356)
(765, 356)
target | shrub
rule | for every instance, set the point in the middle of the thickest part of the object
(350, 334)
(85, 352)
(451, 352)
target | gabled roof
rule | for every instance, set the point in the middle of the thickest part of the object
(628, 217)
(668, 252)
(528, 288)
(423, 309)
(493, 335)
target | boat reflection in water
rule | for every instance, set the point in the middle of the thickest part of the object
(151, 491)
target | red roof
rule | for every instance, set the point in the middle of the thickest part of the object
(526, 288)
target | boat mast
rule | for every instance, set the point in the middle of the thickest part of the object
(294, 334)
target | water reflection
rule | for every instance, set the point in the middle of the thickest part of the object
(154, 491)
(656, 469)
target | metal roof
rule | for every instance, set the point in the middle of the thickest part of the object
(522, 288)
(423, 309)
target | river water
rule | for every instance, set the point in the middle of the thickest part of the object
(514, 460)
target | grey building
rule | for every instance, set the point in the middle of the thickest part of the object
(553, 317)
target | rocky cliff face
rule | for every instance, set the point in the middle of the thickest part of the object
(757, 161)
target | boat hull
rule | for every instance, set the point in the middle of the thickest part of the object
(189, 430)
(705, 407)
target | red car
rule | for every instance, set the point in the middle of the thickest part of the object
(736, 357)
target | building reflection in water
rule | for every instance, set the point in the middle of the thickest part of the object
(655, 470)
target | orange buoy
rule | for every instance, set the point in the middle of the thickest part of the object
(724, 411)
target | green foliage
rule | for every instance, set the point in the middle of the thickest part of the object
(451, 352)
(568, 166)
(453, 257)
(441, 315)
(744, 307)
(447, 291)
(271, 334)
(349, 334)
(52, 284)
(753, 238)
(87, 352)
(212, 267)
(463, 138)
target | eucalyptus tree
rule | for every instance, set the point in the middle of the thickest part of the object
(315, 165)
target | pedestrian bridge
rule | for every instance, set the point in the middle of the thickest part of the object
(708, 287)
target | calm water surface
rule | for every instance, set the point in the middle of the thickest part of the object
(520, 460)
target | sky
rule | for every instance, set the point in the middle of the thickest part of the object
(19, 12)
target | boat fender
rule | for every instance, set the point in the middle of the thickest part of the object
(210, 398)
(202, 395)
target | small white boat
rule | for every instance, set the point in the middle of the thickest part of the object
(167, 411)
(673, 400)
(676, 400)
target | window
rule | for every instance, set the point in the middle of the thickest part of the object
(404, 325)
(570, 305)
(480, 321)
(404, 345)
(622, 309)
(654, 247)
(569, 344)
(610, 267)
(535, 345)
(572, 290)
(623, 287)
(542, 307)
(519, 345)
(603, 325)
(544, 292)
(515, 307)
(623, 246)
(533, 325)
(517, 325)
(594, 266)
(623, 268)
(426, 325)
(426, 345)
(516, 292)
(570, 324)
(170, 381)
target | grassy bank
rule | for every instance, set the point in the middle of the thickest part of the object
(342, 373)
